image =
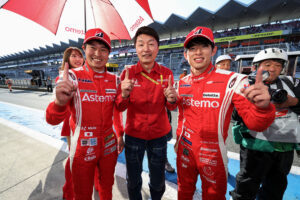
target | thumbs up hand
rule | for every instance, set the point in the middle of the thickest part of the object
(258, 93)
(126, 85)
(65, 89)
(170, 92)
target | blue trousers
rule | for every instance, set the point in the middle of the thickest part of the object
(134, 153)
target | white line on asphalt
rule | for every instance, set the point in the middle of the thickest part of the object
(232, 155)
(171, 188)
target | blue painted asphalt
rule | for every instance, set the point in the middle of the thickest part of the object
(35, 119)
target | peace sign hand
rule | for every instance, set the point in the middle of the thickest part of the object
(170, 92)
(126, 85)
(258, 93)
(65, 89)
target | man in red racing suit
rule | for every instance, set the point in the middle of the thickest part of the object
(206, 99)
(89, 93)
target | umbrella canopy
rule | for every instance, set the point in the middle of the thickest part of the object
(118, 18)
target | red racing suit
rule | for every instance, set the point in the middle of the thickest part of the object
(205, 105)
(93, 140)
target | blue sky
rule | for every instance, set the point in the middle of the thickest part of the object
(18, 33)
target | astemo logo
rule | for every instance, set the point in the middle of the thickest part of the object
(97, 98)
(201, 104)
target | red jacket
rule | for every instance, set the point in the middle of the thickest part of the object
(94, 104)
(146, 106)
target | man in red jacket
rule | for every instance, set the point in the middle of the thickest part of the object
(147, 124)
(89, 92)
(206, 99)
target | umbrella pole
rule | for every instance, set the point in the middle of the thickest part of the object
(84, 16)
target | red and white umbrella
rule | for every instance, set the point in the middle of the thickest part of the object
(118, 18)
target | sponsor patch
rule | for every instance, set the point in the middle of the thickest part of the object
(110, 150)
(186, 95)
(232, 82)
(88, 142)
(208, 149)
(88, 134)
(90, 150)
(185, 145)
(190, 130)
(214, 95)
(89, 158)
(98, 76)
(84, 142)
(108, 137)
(98, 98)
(185, 85)
(89, 91)
(200, 104)
(93, 141)
(246, 86)
(208, 171)
(84, 80)
(110, 91)
(84, 128)
(109, 143)
(185, 152)
(186, 140)
(208, 161)
(184, 158)
(186, 134)
(183, 165)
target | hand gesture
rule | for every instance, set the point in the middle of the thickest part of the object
(65, 89)
(126, 85)
(258, 93)
(170, 92)
(120, 144)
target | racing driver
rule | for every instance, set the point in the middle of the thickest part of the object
(89, 93)
(206, 99)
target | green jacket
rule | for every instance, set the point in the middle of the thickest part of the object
(239, 132)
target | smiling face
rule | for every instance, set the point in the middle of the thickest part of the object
(199, 57)
(75, 59)
(147, 49)
(96, 55)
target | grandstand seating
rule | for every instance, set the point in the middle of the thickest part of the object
(171, 57)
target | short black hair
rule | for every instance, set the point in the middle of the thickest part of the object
(199, 40)
(147, 31)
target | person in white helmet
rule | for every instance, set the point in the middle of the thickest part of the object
(266, 157)
(223, 62)
(183, 74)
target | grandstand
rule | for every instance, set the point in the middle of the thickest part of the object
(238, 30)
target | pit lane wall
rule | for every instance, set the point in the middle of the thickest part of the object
(25, 84)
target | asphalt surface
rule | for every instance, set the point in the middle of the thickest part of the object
(40, 100)
(30, 169)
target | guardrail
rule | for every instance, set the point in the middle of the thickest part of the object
(24, 84)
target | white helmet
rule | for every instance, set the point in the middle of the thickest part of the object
(222, 57)
(271, 53)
